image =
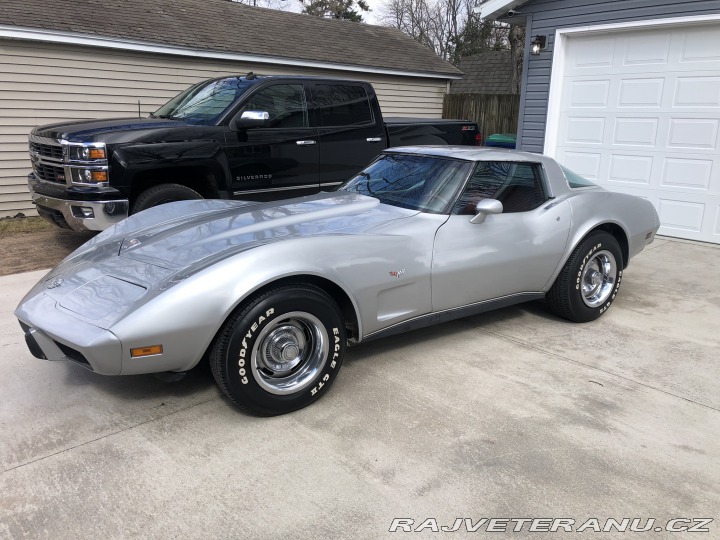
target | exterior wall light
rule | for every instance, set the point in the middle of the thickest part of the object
(537, 44)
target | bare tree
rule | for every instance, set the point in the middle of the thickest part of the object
(448, 27)
(282, 5)
(517, 54)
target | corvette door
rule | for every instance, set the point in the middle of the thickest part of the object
(512, 252)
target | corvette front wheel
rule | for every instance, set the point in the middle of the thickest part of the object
(589, 281)
(280, 351)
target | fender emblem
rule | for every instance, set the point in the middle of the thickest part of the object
(55, 283)
(397, 273)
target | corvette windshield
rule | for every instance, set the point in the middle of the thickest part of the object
(205, 102)
(424, 183)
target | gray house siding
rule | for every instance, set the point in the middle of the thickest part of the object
(546, 16)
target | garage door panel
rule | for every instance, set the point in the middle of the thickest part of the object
(589, 93)
(693, 133)
(697, 92)
(701, 45)
(640, 92)
(584, 130)
(636, 131)
(646, 49)
(642, 116)
(686, 173)
(630, 169)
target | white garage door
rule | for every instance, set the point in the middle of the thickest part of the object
(640, 114)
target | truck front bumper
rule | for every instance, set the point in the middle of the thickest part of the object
(79, 215)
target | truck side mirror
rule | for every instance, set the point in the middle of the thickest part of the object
(486, 207)
(250, 119)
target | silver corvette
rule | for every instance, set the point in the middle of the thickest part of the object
(272, 293)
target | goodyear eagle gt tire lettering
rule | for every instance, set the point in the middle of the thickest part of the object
(589, 282)
(280, 351)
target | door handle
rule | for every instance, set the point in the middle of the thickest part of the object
(306, 143)
(374, 139)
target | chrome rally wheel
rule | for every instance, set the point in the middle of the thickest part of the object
(598, 278)
(290, 352)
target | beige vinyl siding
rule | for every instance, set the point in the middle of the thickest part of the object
(48, 83)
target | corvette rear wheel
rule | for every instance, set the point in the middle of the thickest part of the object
(280, 351)
(589, 281)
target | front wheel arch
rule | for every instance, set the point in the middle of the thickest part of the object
(336, 292)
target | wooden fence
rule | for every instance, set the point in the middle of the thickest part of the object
(494, 113)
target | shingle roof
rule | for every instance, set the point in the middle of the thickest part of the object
(230, 27)
(485, 73)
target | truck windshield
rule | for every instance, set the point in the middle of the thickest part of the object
(205, 102)
(425, 183)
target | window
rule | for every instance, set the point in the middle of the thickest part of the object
(518, 186)
(342, 105)
(424, 183)
(285, 103)
(575, 181)
(206, 102)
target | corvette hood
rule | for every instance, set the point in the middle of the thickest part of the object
(182, 236)
(228, 227)
(147, 253)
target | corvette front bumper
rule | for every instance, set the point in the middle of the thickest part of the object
(60, 336)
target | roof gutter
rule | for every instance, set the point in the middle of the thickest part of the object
(73, 38)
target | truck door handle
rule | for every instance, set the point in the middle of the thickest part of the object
(374, 139)
(306, 143)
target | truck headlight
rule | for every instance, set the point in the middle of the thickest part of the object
(88, 176)
(86, 153)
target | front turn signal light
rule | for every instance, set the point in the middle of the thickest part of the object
(99, 176)
(96, 153)
(152, 350)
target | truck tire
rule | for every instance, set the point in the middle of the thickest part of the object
(164, 193)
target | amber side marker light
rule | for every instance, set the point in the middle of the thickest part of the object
(96, 153)
(146, 351)
(99, 176)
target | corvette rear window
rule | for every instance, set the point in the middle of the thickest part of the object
(574, 180)
(424, 183)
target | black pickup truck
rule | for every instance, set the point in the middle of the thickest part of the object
(251, 137)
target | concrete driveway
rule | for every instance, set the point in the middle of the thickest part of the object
(511, 414)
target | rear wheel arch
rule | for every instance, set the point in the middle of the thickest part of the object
(620, 235)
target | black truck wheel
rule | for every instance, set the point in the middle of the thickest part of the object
(589, 281)
(280, 351)
(164, 193)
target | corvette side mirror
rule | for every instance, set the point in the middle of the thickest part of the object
(485, 207)
(250, 119)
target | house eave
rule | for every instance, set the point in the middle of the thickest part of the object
(73, 38)
(494, 9)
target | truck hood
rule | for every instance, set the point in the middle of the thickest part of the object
(114, 130)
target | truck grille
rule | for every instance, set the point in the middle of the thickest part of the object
(49, 173)
(46, 150)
